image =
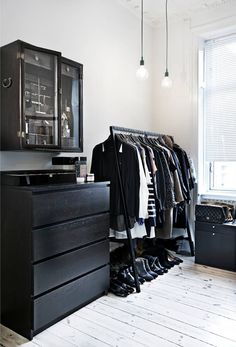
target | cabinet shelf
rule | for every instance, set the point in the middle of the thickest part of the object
(43, 117)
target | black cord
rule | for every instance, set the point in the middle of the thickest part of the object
(141, 29)
(167, 36)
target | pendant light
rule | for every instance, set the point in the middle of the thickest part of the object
(166, 82)
(142, 72)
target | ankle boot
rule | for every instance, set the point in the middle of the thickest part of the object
(167, 257)
(152, 273)
(126, 277)
(140, 279)
(125, 286)
(153, 266)
(117, 289)
(163, 261)
(158, 264)
(142, 270)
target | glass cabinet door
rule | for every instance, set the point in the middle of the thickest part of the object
(71, 112)
(40, 100)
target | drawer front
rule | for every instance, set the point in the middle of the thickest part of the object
(218, 228)
(56, 271)
(53, 207)
(54, 305)
(37, 58)
(62, 237)
(215, 249)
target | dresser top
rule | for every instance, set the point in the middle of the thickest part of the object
(57, 187)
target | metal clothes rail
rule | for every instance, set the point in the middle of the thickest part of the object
(120, 130)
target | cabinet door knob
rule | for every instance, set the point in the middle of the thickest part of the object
(7, 82)
(213, 234)
(213, 226)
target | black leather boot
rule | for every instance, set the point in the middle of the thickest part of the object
(158, 264)
(153, 266)
(163, 260)
(140, 279)
(117, 289)
(152, 273)
(126, 277)
(125, 286)
(140, 265)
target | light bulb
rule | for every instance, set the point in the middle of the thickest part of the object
(166, 81)
(142, 73)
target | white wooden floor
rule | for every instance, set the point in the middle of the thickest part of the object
(192, 306)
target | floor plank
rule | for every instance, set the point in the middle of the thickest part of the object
(141, 310)
(217, 282)
(146, 321)
(209, 269)
(140, 334)
(188, 315)
(9, 338)
(75, 336)
(209, 273)
(46, 339)
(191, 306)
(227, 295)
(93, 329)
(186, 298)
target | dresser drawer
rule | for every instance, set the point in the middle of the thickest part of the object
(56, 271)
(62, 237)
(217, 228)
(62, 301)
(55, 207)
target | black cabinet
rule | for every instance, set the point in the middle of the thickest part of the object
(41, 99)
(215, 245)
(54, 252)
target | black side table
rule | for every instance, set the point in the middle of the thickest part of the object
(215, 245)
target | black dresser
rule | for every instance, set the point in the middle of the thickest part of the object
(54, 252)
(215, 245)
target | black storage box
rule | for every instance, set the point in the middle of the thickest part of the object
(215, 245)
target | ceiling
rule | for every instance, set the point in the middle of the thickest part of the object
(154, 10)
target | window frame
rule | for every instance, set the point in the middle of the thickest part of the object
(206, 168)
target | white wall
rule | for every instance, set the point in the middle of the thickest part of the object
(176, 109)
(103, 36)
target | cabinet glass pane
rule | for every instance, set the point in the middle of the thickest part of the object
(70, 106)
(40, 98)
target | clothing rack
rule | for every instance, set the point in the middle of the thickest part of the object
(120, 130)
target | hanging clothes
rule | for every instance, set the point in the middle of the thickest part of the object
(156, 179)
(104, 168)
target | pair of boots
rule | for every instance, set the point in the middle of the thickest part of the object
(165, 257)
(126, 275)
(155, 264)
(144, 270)
(119, 288)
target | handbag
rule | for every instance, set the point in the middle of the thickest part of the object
(213, 213)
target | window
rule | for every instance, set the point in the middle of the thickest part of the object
(219, 115)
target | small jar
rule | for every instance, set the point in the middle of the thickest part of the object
(83, 166)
